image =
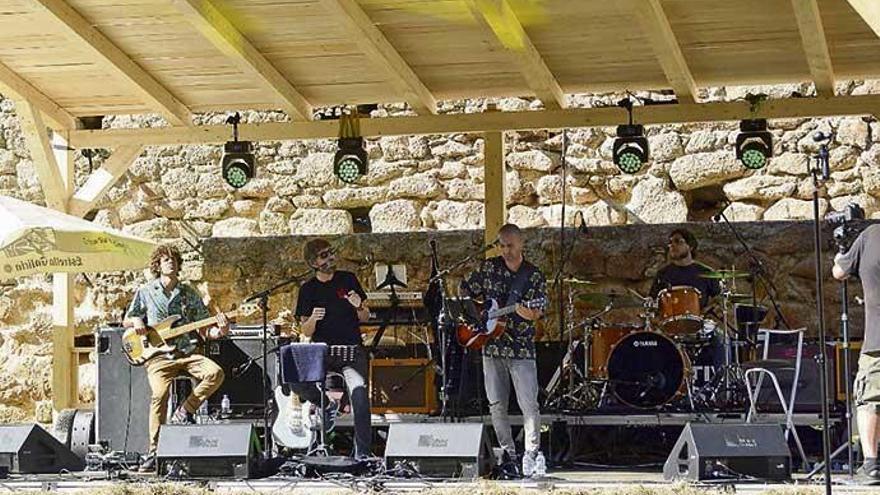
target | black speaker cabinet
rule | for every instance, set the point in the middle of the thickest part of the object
(447, 450)
(782, 360)
(207, 451)
(122, 397)
(243, 382)
(729, 452)
(29, 449)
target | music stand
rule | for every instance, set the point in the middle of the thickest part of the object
(303, 363)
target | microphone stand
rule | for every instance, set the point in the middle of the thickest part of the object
(263, 297)
(822, 166)
(758, 272)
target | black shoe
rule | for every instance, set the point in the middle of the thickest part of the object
(182, 417)
(868, 475)
(148, 465)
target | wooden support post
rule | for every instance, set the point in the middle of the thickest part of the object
(495, 186)
(65, 362)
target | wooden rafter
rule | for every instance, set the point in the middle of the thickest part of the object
(379, 50)
(39, 142)
(89, 37)
(487, 122)
(815, 45)
(16, 87)
(869, 10)
(101, 180)
(666, 48)
(215, 27)
(497, 17)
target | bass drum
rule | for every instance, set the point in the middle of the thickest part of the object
(647, 370)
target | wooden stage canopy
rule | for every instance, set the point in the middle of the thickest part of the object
(65, 60)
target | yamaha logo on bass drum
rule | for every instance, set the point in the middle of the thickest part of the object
(645, 343)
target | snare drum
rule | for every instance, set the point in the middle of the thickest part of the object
(680, 310)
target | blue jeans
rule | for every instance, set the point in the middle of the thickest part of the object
(498, 373)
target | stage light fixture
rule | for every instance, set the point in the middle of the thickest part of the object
(238, 162)
(350, 162)
(754, 143)
(630, 150)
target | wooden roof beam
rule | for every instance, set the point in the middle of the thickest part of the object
(100, 181)
(666, 48)
(216, 28)
(39, 142)
(157, 96)
(487, 122)
(18, 89)
(869, 10)
(815, 45)
(381, 52)
(497, 17)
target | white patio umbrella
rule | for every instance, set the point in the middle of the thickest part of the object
(34, 239)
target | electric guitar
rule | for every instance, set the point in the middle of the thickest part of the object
(294, 426)
(139, 349)
(492, 322)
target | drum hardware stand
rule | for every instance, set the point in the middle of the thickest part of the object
(579, 395)
(263, 298)
(723, 385)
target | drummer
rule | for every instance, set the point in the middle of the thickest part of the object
(683, 269)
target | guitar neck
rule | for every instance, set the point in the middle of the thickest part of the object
(506, 310)
(170, 333)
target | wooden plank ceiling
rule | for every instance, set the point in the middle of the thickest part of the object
(175, 58)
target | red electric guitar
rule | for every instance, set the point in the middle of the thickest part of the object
(492, 324)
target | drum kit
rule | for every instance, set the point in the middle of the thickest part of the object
(673, 357)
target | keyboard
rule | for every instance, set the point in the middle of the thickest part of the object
(408, 299)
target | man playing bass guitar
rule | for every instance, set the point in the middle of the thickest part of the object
(510, 279)
(154, 301)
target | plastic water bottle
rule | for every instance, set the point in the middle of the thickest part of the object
(528, 465)
(202, 414)
(225, 406)
(540, 465)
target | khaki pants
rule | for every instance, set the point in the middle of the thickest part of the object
(162, 372)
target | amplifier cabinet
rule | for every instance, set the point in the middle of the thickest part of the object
(402, 386)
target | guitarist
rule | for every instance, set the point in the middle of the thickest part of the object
(330, 307)
(154, 301)
(510, 279)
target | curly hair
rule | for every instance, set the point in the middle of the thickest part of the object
(166, 250)
(688, 237)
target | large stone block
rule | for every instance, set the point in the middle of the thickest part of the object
(236, 227)
(704, 169)
(320, 222)
(533, 160)
(418, 186)
(316, 169)
(665, 147)
(794, 209)
(208, 209)
(464, 190)
(400, 215)
(380, 172)
(7, 162)
(761, 188)
(790, 164)
(355, 197)
(180, 183)
(395, 148)
(654, 203)
(273, 223)
(600, 213)
(452, 149)
(743, 212)
(525, 217)
(258, 187)
(453, 215)
(157, 228)
(853, 131)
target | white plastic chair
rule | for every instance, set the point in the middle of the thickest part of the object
(757, 370)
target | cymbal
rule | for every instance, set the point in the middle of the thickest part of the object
(573, 281)
(598, 300)
(725, 274)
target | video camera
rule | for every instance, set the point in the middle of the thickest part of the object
(840, 220)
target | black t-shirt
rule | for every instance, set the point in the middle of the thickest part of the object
(672, 275)
(863, 259)
(340, 325)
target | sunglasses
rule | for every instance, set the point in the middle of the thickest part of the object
(326, 253)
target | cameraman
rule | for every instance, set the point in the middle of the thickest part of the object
(863, 260)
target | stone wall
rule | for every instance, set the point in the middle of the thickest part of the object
(415, 183)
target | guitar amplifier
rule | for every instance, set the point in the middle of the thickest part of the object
(402, 386)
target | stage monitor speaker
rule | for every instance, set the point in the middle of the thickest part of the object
(402, 386)
(729, 452)
(445, 450)
(782, 359)
(28, 449)
(122, 397)
(223, 450)
(243, 383)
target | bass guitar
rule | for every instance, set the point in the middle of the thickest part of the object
(492, 322)
(139, 349)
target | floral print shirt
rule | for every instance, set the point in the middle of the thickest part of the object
(493, 280)
(153, 305)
